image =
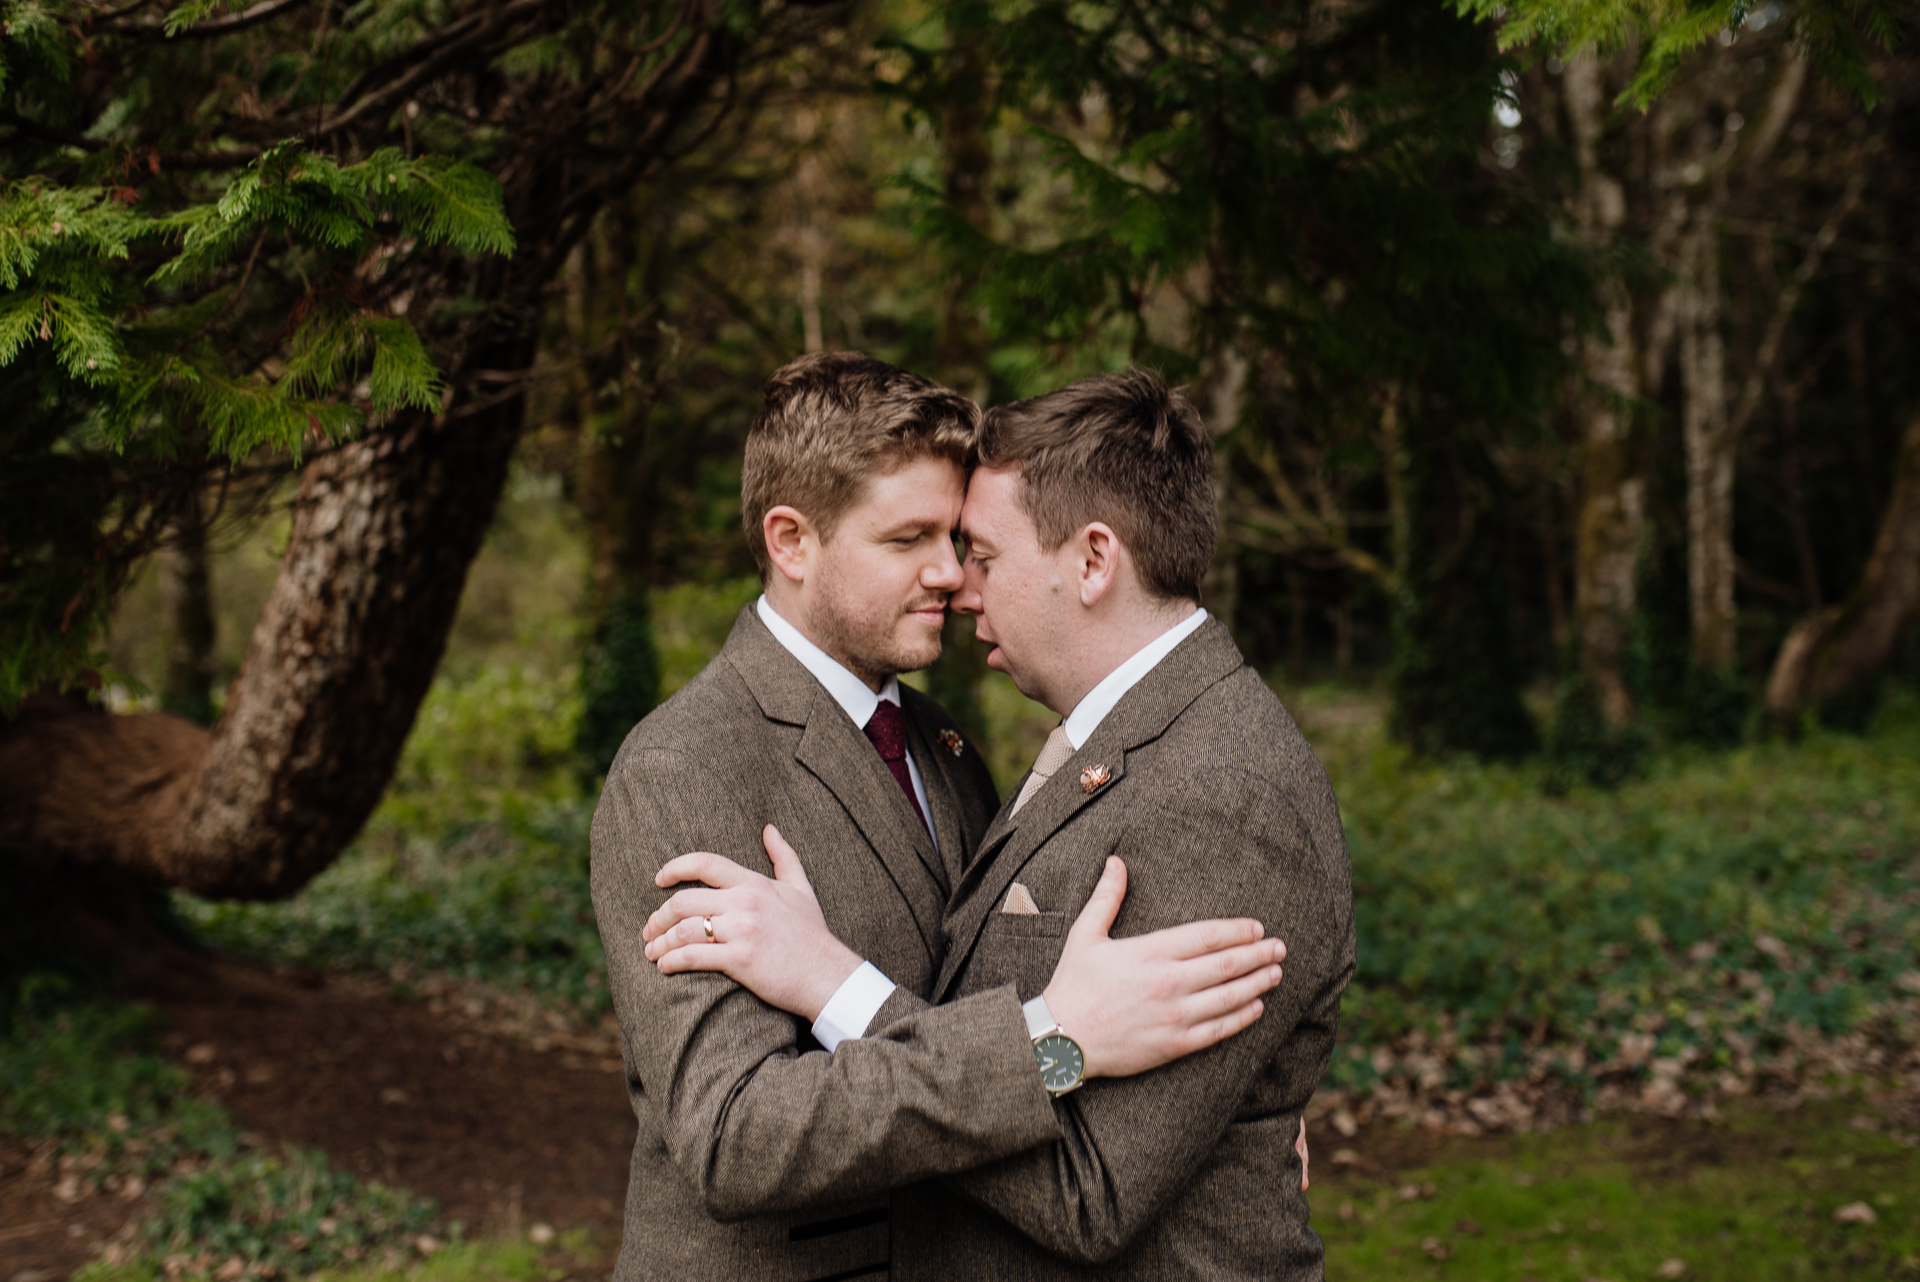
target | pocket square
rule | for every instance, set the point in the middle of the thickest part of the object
(1020, 900)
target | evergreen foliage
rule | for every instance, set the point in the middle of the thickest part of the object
(1302, 187)
(160, 315)
(1841, 35)
(619, 681)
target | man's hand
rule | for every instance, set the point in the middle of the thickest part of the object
(1135, 1004)
(767, 935)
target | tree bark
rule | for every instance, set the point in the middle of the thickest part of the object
(1710, 457)
(384, 530)
(1842, 649)
(1613, 498)
(346, 646)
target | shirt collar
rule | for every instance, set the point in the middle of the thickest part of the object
(1093, 709)
(849, 691)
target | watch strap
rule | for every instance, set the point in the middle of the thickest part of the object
(1040, 1020)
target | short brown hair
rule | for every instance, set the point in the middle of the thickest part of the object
(830, 421)
(1119, 448)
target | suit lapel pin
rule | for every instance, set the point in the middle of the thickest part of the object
(1094, 778)
(951, 741)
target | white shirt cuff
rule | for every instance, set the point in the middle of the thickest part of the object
(853, 1006)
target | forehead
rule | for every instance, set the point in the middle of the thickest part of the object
(927, 484)
(993, 513)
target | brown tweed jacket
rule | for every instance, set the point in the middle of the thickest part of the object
(760, 1156)
(1220, 809)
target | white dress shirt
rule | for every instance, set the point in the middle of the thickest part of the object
(854, 1004)
(856, 1001)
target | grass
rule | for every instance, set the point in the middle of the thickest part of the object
(1749, 1199)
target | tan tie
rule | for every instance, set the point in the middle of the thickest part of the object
(1052, 757)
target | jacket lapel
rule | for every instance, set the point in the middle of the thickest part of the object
(943, 804)
(988, 877)
(835, 751)
(1142, 715)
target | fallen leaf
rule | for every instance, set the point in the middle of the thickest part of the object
(1467, 1228)
(426, 1244)
(118, 1123)
(231, 1270)
(201, 1053)
(1856, 1213)
(1343, 1122)
(541, 1234)
(1674, 1268)
(1435, 1248)
(393, 1095)
(1347, 1212)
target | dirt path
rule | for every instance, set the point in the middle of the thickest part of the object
(501, 1135)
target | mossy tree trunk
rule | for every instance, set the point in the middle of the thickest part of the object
(1613, 489)
(384, 526)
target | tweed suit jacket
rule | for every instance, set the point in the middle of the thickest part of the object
(1220, 809)
(759, 1155)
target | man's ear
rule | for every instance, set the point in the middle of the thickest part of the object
(791, 541)
(1100, 555)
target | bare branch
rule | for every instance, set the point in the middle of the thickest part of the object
(1769, 350)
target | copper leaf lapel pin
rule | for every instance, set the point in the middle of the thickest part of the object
(951, 741)
(1094, 778)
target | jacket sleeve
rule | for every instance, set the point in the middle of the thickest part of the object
(755, 1123)
(1130, 1145)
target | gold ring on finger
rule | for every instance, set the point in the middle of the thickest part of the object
(706, 924)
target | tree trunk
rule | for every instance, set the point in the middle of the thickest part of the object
(383, 531)
(1613, 498)
(1710, 455)
(1841, 650)
(616, 486)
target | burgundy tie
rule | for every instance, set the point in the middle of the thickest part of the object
(887, 729)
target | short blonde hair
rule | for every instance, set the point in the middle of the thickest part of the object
(829, 422)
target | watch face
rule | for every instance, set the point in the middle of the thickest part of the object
(1061, 1062)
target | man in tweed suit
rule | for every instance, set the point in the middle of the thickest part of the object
(1090, 523)
(758, 1157)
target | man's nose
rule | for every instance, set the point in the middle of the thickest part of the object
(943, 573)
(967, 598)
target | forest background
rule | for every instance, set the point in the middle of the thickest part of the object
(376, 380)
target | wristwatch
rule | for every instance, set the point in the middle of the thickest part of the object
(1063, 1065)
